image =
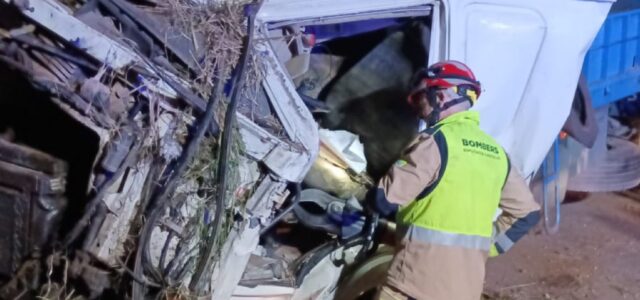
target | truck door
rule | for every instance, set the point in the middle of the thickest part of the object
(528, 56)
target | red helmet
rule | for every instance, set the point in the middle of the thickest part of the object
(447, 74)
(451, 73)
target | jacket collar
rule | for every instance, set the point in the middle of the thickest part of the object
(463, 116)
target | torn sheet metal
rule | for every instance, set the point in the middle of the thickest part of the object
(155, 34)
(58, 20)
(237, 251)
(289, 107)
(283, 159)
(297, 120)
(280, 157)
(122, 201)
(289, 165)
(243, 241)
(108, 244)
(259, 142)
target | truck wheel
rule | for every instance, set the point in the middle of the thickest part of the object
(363, 279)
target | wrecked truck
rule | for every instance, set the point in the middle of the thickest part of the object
(209, 149)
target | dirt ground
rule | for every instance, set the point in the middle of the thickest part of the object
(595, 255)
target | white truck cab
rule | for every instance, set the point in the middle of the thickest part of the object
(527, 55)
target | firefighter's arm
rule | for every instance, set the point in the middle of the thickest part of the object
(520, 212)
(408, 177)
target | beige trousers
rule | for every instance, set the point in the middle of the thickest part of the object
(389, 293)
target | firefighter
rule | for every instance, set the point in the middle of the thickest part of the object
(445, 192)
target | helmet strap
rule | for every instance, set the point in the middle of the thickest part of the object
(455, 102)
(432, 98)
(434, 116)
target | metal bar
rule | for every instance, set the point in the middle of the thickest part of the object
(54, 51)
(551, 227)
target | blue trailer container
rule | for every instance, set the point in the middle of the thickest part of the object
(612, 64)
(612, 71)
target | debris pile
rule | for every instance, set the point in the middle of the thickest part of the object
(152, 82)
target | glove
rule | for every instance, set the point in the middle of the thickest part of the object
(376, 201)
